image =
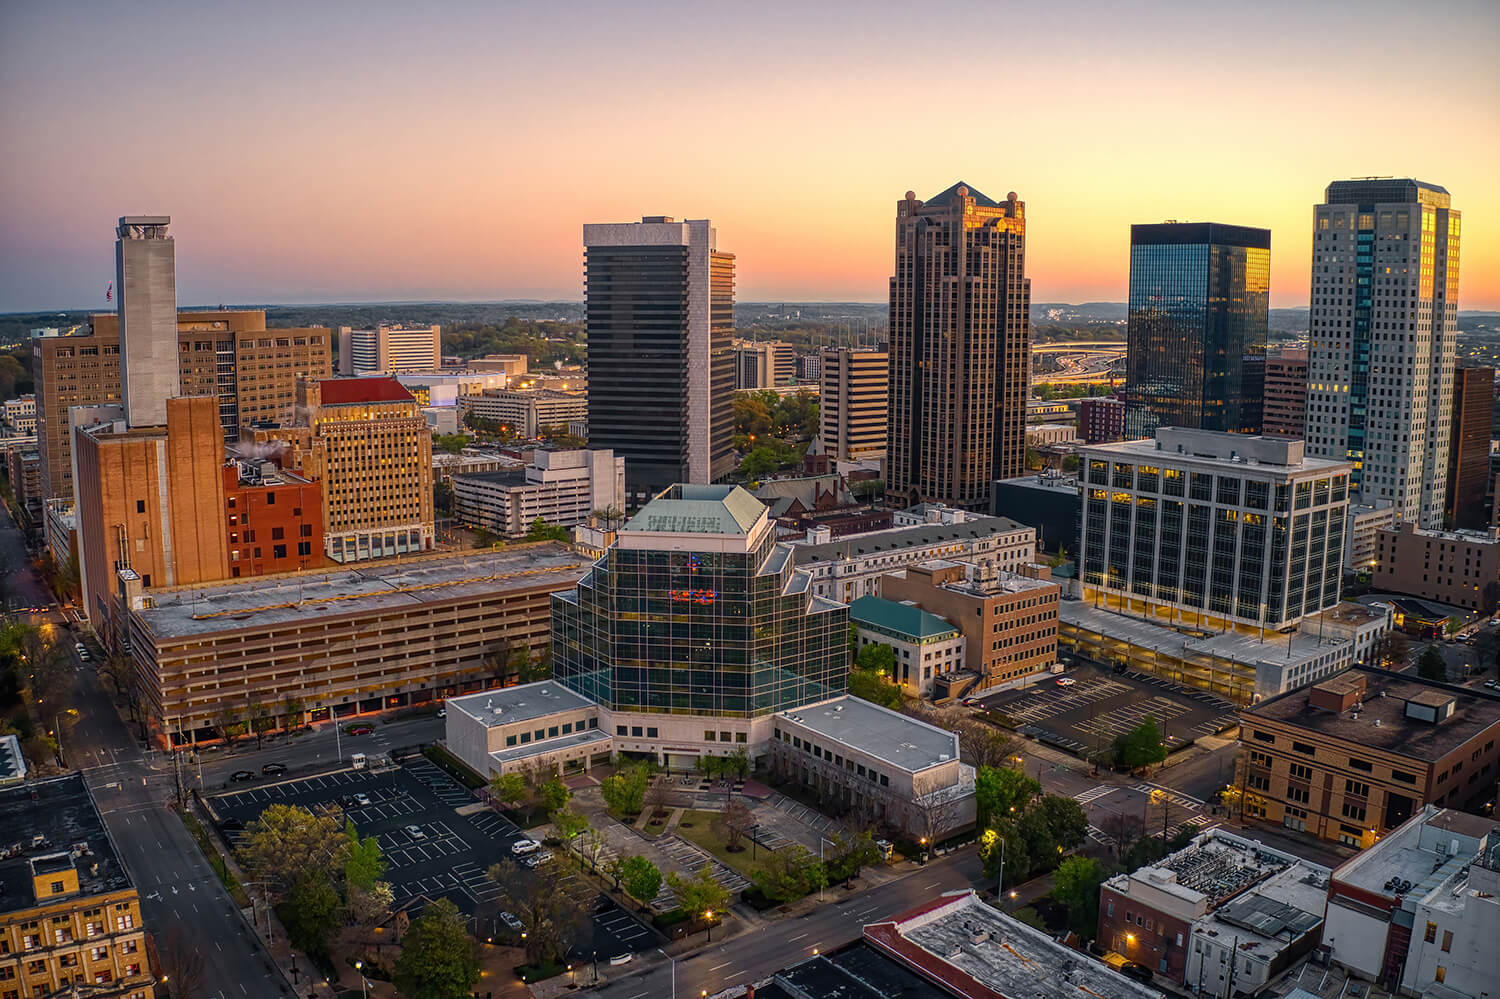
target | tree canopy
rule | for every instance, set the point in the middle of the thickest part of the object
(625, 791)
(700, 893)
(640, 879)
(288, 841)
(1075, 884)
(1141, 746)
(438, 959)
(1431, 666)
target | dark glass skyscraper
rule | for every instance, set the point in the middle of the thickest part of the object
(660, 313)
(1199, 292)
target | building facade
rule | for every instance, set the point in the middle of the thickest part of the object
(524, 410)
(273, 519)
(346, 641)
(1196, 327)
(659, 306)
(70, 918)
(231, 355)
(1101, 420)
(697, 627)
(1362, 529)
(1470, 428)
(925, 645)
(1384, 327)
(23, 465)
(850, 567)
(853, 403)
(390, 350)
(1009, 621)
(1286, 393)
(762, 364)
(960, 348)
(560, 487)
(1199, 526)
(146, 275)
(1460, 568)
(1356, 755)
(20, 414)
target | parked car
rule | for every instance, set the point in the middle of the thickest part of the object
(1066, 681)
(362, 800)
(1136, 970)
(521, 846)
(231, 824)
(415, 832)
(240, 775)
(510, 921)
(273, 769)
(535, 860)
(620, 959)
(442, 712)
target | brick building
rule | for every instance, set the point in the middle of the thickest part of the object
(1009, 621)
(1450, 567)
(273, 519)
(1356, 755)
(1101, 420)
(1286, 393)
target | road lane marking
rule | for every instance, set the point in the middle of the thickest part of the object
(796, 938)
(718, 966)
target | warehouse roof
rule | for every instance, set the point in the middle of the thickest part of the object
(892, 616)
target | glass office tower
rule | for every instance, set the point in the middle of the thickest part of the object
(1196, 348)
(696, 610)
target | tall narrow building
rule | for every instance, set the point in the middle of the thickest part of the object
(1470, 429)
(960, 348)
(660, 316)
(146, 279)
(1196, 335)
(1384, 322)
(853, 396)
(1285, 405)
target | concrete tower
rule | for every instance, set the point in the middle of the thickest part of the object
(146, 281)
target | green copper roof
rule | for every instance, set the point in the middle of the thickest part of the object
(898, 618)
(952, 193)
(696, 509)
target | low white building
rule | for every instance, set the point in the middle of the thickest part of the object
(560, 487)
(20, 414)
(535, 727)
(850, 567)
(1362, 527)
(1359, 624)
(925, 645)
(526, 410)
(1420, 909)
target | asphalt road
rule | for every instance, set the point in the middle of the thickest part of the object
(757, 953)
(20, 586)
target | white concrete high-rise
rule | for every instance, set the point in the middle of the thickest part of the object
(146, 282)
(1384, 323)
(389, 350)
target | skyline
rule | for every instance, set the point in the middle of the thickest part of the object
(375, 153)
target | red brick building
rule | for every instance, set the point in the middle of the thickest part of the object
(273, 518)
(1101, 420)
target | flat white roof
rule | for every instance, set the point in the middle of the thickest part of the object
(887, 735)
(522, 703)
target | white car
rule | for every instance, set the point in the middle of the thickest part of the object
(536, 860)
(362, 800)
(521, 846)
(415, 832)
(1066, 681)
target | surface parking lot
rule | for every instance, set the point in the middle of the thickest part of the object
(448, 855)
(1099, 706)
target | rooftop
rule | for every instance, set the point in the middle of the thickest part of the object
(1346, 613)
(858, 971)
(1417, 858)
(898, 539)
(1215, 866)
(12, 761)
(1275, 913)
(303, 597)
(962, 943)
(46, 822)
(898, 739)
(899, 618)
(1211, 449)
(698, 509)
(951, 194)
(521, 703)
(351, 391)
(1381, 723)
(600, 738)
(1276, 650)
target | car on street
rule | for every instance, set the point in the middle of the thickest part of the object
(415, 832)
(510, 920)
(82, 650)
(1133, 969)
(973, 702)
(521, 846)
(535, 860)
(273, 769)
(360, 730)
(361, 800)
(442, 712)
(240, 775)
(1066, 681)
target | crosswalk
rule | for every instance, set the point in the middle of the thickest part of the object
(1092, 794)
(1175, 797)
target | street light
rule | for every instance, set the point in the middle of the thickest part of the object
(359, 966)
(708, 917)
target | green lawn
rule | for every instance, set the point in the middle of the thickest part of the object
(703, 832)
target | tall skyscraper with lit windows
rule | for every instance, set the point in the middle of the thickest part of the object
(1384, 324)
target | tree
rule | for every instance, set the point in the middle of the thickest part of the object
(311, 911)
(738, 764)
(853, 848)
(437, 957)
(609, 516)
(569, 825)
(1390, 649)
(509, 789)
(1004, 842)
(700, 893)
(368, 906)
(540, 530)
(288, 841)
(625, 791)
(1491, 597)
(291, 712)
(452, 443)
(592, 846)
(791, 872)
(1125, 828)
(555, 795)
(657, 797)
(875, 687)
(364, 865)
(1141, 746)
(877, 656)
(1066, 821)
(553, 922)
(1002, 793)
(640, 879)
(260, 719)
(182, 964)
(734, 824)
(484, 539)
(1430, 666)
(1075, 884)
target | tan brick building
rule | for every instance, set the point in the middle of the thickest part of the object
(348, 641)
(70, 918)
(853, 403)
(150, 500)
(1356, 755)
(1450, 567)
(1009, 621)
(231, 355)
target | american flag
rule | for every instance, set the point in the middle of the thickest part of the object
(109, 293)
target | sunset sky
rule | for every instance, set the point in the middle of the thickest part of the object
(317, 152)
